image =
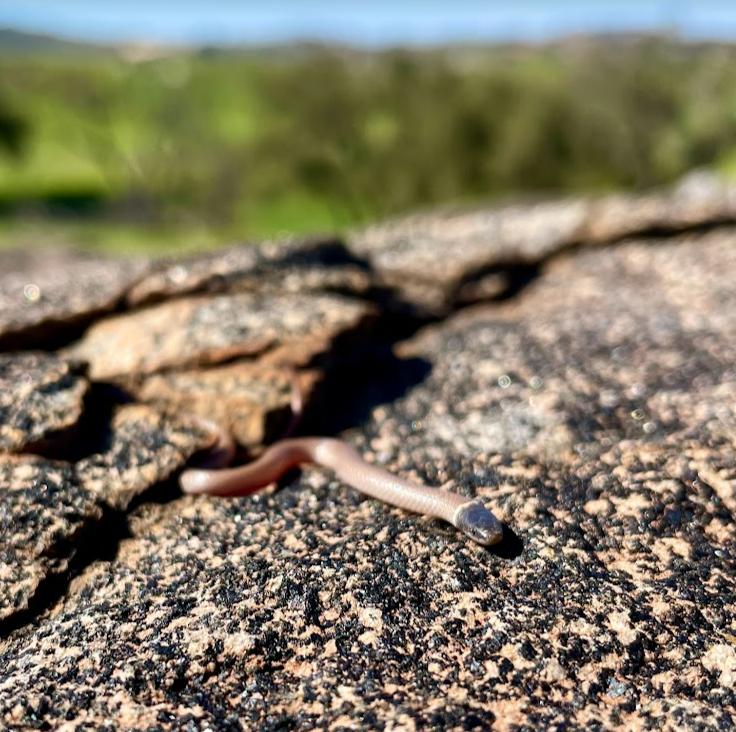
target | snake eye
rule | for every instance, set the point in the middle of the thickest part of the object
(475, 520)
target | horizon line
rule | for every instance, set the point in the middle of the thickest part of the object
(664, 32)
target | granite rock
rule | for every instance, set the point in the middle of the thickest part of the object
(290, 265)
(282, 329)
(41, 400)
(42, 512)
(593, 410)
(253, 402)
(441, 258)
(142, 448)
(49, 511)
(47, 292)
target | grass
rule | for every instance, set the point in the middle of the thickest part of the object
(192, 149)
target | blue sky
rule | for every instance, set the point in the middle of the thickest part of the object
(376, 23)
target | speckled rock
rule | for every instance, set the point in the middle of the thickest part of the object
(292, 265)
(143, 448)
(50, 510)
(437, 259)
(41, 400)
(209, 330)
(253, 402)
(700, 198)
(594, 412)
(49, 291)
(430, 256)
(42, 511)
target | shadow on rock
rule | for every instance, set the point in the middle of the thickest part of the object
(510, 546)
(348, 397)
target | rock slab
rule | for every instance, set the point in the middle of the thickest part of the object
(593, 410)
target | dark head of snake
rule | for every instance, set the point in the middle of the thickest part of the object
(475, 520)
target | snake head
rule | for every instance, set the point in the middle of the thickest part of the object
(475, 520)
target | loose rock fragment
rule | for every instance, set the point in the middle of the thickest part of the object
(43, 292)
(43, 510)
(698, 199)
(429, 256)
(208, 330)
(251, 401)
(273, 266)
(438, 258)
(144, 448)
(41, 399)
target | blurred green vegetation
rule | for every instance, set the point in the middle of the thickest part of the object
(191, 149)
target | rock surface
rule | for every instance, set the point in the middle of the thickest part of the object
(210, 330)
(143, 448)
(593, 410)
(279, 266)
(47, 291)
(252, 401)
(44, 511)
(52, 510)
(41, 398)
(434, 258)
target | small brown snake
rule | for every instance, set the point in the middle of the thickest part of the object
(468, 515)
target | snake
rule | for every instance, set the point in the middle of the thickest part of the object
(469, 516)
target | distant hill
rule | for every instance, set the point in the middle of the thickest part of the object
(15, 42)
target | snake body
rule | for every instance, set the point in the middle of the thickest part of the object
(468, 515)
